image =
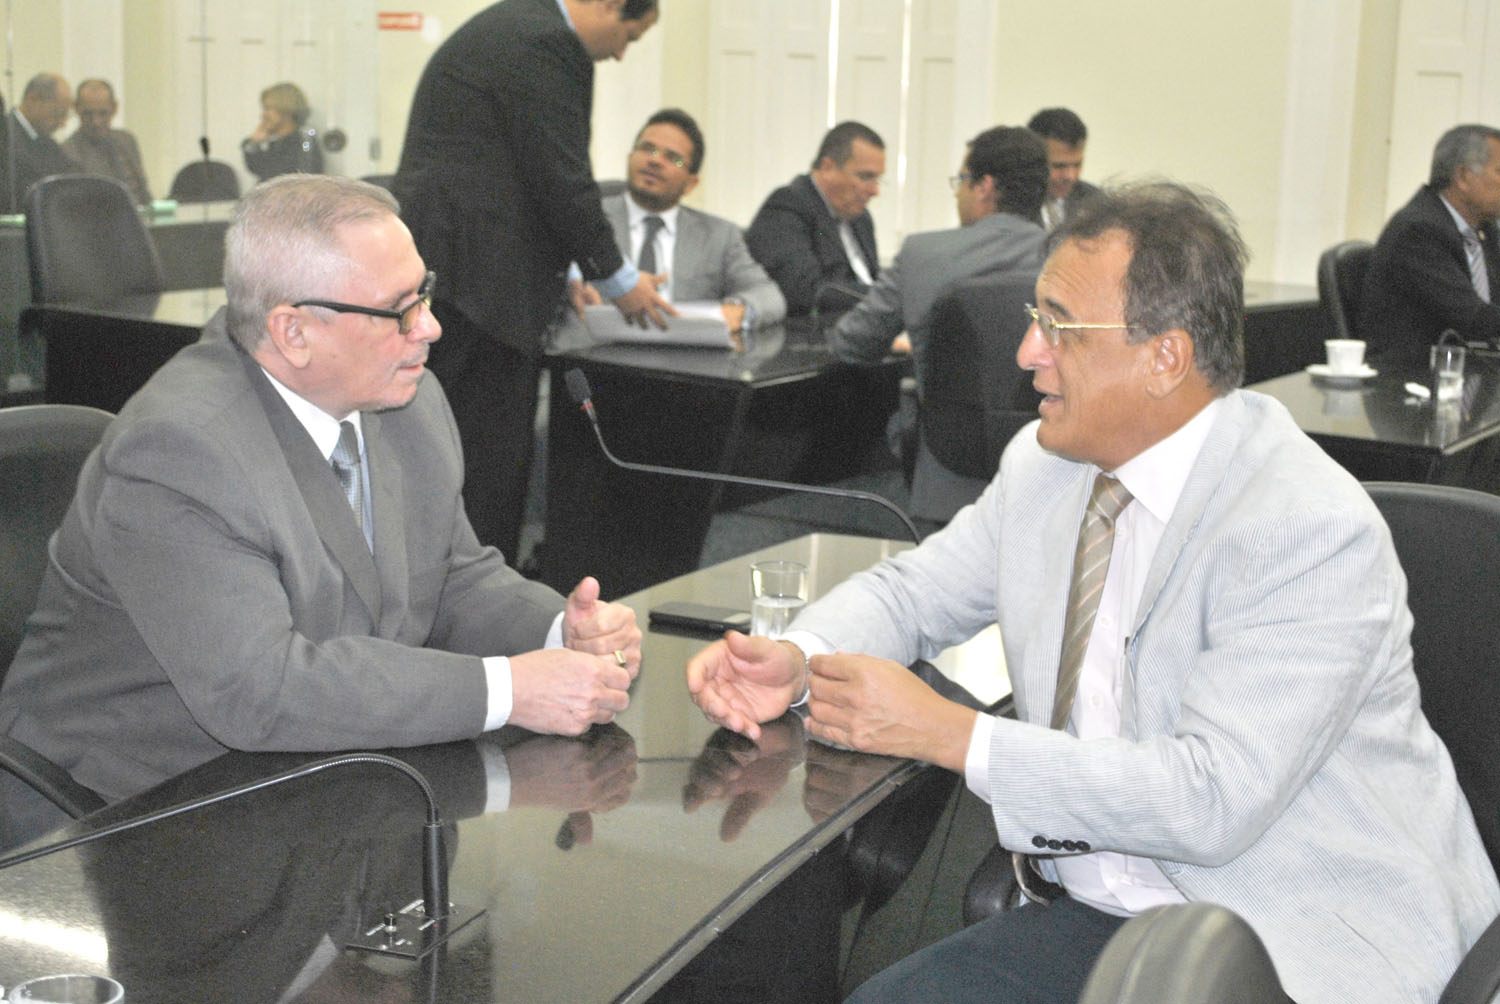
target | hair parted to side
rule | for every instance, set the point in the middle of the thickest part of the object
(1186, 271)
(838, 142)
(1061, 124)
(1017, 160)
(1462, 146)
(284, 244)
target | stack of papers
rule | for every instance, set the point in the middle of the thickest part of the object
(699, 324)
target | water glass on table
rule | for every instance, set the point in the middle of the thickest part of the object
(1447, 371)
(70, 988)
(778, 592)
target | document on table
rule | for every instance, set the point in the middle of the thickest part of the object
(699, 323)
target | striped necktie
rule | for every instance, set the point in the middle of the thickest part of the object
(1096, 538)
(350, 470)
(1477, 272)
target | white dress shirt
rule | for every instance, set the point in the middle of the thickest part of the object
(1121, 884)
(851, 244)
(324, 430)
(666, 240)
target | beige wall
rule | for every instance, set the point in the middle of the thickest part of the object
(1191, 90)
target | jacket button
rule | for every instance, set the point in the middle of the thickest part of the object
(1038, 841)
(1054, 845)
(1068, 845)
(1082, 845)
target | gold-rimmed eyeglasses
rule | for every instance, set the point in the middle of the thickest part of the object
(405, 318)
(1052, 329)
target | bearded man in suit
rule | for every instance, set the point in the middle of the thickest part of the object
(268, 550)
(694, 256)
(1222, 564)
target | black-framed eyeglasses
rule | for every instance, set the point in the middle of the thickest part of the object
(960, 180)
(1052, 329)
(651, 150)
(405, 318)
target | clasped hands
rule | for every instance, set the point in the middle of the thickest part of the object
(868, 704)
(565, 690)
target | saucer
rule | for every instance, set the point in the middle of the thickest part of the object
(1322, 372)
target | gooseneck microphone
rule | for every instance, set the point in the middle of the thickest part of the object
(578, 388)
(435, 905)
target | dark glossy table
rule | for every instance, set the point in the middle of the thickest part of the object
(1285, 328)
(1379, 432)
(783, 409)
(189, 240)
(658, 856)
(100, 354)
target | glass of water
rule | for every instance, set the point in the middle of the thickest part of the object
(71, 988)
(778, 592)
(1447, 371)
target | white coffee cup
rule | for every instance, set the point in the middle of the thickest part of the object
(1345, 355)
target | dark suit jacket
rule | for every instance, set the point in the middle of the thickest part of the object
(796, 238)
(283, 155)
(35, 159)
(495, 180)
(1418, 283)
(209, 588)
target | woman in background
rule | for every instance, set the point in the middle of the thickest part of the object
(280, 144)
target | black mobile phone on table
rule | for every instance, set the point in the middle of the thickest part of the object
(702, 618)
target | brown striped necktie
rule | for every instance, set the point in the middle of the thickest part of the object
(1096, 538)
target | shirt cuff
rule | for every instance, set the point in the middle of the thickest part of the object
(498, 680)
(811, 645)
(977, 762)
(623, 281)
(496, 778)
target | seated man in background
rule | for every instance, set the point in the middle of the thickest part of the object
(100, 149)
(998, 191)
(697, 256)
(1215, 681)
(268, 550)
(1065, 135)
(1437, 264)
(33, 154)
(814, 235)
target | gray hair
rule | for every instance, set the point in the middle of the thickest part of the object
(1187, 268)
(1462, 146)
(283, 244)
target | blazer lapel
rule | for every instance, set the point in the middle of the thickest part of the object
(388, 510)
(320, 489)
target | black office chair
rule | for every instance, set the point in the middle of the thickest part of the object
(611, 186)
(1189, 953)
(87, 242)
(42, 448)
(974, 396)
(205, 181)
(1341, 283)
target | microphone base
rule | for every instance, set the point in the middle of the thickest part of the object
(415, 934)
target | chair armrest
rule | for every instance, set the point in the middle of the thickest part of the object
(47, 778)
(1478, 975)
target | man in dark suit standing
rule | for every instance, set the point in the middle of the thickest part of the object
(1065, 135)
(1437, 263)
(33, 154)
(815, 236)
(268, 552)
(496, 186)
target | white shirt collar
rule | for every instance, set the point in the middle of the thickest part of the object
(1155, 477)
(321, 426)
(25, 123)
(1463, 225)
(635, 215)
(562, 6)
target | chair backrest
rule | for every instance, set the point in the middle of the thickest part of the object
(205, 181)
(1448, 541)
(87, 242)
(1188, 953)
(42, 448)
(974, 397)
(1341, 283)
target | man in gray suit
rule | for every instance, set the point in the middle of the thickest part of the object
(998, 192)
(695, 256)
(1214, 696)
(268, 550)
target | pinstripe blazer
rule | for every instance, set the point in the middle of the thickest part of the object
(1273, 755)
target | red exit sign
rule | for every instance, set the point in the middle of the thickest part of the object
(396, 20)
